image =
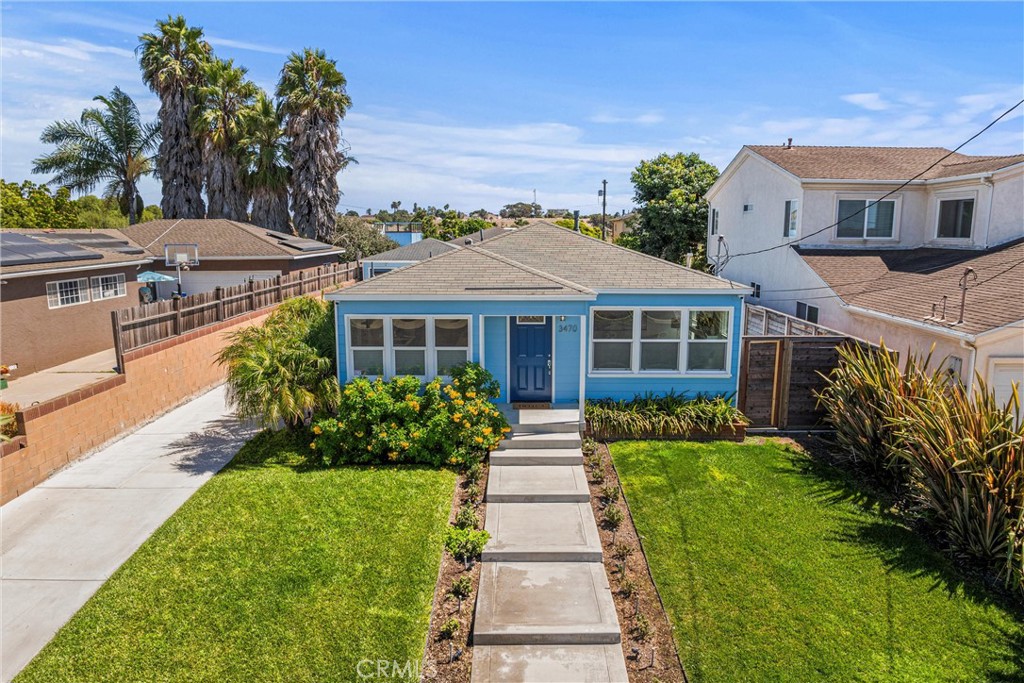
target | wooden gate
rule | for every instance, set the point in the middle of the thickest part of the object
(781, 376)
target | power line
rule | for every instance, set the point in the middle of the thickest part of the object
(887, 194)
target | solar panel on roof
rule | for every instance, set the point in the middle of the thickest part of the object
(16, 249)
(305, 245)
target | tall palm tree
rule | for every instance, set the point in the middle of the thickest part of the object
(223, 96)
(108, 145)
(265, 164)
(172, 60)
(313, 100)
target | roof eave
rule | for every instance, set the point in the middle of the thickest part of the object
(460, 296)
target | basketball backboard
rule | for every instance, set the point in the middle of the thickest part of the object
(181, 255)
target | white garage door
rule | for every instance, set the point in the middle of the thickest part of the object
(1004, 374)
(198, 281)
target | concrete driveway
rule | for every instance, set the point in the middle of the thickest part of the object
(63, 539)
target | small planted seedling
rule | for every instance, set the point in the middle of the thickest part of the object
(474, 472)
(473, 494)
(594, 460)
(461, 589)
(465, 545)
(466, 518)
(449, 629)
(589, 446)
(597, 476)
(609, 494)
(613, 517)
(621, 552)
(641, 630)
(627, 587)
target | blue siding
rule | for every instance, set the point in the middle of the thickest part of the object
(496, 353)
(404, 238)
(567, 359)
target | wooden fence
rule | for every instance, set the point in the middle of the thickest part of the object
(150, 323)
(764, 322)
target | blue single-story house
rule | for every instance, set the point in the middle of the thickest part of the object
(554, 315)
(386, 261)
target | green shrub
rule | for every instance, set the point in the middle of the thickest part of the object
(627, 588)
(609, 494)
(449, 629)
(650, 415)
(461, 589)
(400, 421)
(465, 545)
(466, 518)
(613, 517)
(589, 446)
(641, 630)
(474, 381)
(8, 420)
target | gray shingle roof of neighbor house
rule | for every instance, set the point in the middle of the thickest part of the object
(537, 260)
(878, 163)
(417, 251)
(481, 236)
(219, 238)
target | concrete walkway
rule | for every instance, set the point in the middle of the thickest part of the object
(544, 613)
(64, 538)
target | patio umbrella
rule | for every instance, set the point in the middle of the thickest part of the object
(150, 276)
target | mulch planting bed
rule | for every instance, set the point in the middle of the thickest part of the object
(647, 641)
(450, 660)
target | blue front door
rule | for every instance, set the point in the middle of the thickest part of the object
(531, 358)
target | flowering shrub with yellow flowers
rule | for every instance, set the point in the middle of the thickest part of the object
(402, 421)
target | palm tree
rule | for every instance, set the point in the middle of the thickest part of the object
(223, 96)
(314, 101)
(172, 62)
(266, 171)
(108, 145)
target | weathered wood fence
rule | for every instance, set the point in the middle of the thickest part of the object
(150, 323)
(764, 322)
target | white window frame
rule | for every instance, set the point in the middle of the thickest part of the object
(792, 223)
(868, 198)
(430, 350)
(952, 197)
(683, 341)
(807, 308)
(756, 294)
(53, 297)
(713, 222)
(120, 288)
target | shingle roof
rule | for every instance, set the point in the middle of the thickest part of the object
(878, 163)
(108, 256)
(481, 236)
(467, 272)
(905, 283)
(596, 264)
(216, 237)
(417, 251)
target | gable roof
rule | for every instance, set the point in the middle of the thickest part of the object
(467, 272)
(481, 235)
(221, 238)
(98, 249)
(878, 163)
(905, 283)
(417, 251)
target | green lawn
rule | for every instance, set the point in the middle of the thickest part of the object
(272, 571)
(774, 567)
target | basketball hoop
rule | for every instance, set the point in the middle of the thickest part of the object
(181, 257)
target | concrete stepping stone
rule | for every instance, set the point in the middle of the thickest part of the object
(538, 456)
(537, 484)
(549, 664)
(541, 440)
(544, 603)
(542, 532)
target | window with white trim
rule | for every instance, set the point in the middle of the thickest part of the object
(640, 340)
(108, 287)
(806, 312)
(956, 217)
(409, 345)
(423, 347)
(713, 221)
(366, 339)
(865, 219)
(756, 286)
(63, 293)
(792, 214)
(451, 344)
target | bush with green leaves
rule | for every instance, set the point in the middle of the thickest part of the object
(613, 517)
(461, 589)
(449, 629)
(474, 381)
(466, 518)
(649, 415)
(465, 545)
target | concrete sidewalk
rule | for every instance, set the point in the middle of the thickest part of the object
(64, 538)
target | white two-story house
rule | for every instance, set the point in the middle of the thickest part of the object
(832, 235)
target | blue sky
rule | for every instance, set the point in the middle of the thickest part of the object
(477, 105)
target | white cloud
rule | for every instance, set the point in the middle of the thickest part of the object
(871, 101)
(644, 119)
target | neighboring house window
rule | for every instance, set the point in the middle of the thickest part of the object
(108, 287)
(651, 341)
(955, 218)
(953, 366)
(366, 339)
(67, 293)
(792, 214)
(409, 342)
(451, 343)
(748, 208)
(806, 312)
(864, 219)
(757, 290)
(713, 221)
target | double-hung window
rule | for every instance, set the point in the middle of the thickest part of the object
(451, 343)
(806, 312)
(713, 221)
(366, 339)
(409, 342)
(67, 293)
(423, 347)
(792, 214)
(108, 287)
(955, 218)
(865, 219)
(637, 341)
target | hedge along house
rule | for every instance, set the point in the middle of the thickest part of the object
(554, 315)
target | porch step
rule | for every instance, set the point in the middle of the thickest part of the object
(537, 484)
(542, 532)
(570, 427)
(541, 440)
(538, 456)
(548, 664)
(544, 603)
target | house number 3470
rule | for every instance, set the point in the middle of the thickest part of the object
(568, 327)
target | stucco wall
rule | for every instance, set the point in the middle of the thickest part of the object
(36, 337)
(1007, 209)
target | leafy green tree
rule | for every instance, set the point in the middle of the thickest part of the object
(266, 171)
(354, 235)
(223, 97)
(585, 228)
(521, 210)
(172, 60)
(34, 207)
(672, 213)
(314, 101)
(95, 213)
(109, 145)
(151, 213)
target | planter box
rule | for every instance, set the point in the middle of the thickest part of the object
(736, 432)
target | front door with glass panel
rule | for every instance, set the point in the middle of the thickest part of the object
(530, 358)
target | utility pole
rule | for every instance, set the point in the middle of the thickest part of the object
(603, 194)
